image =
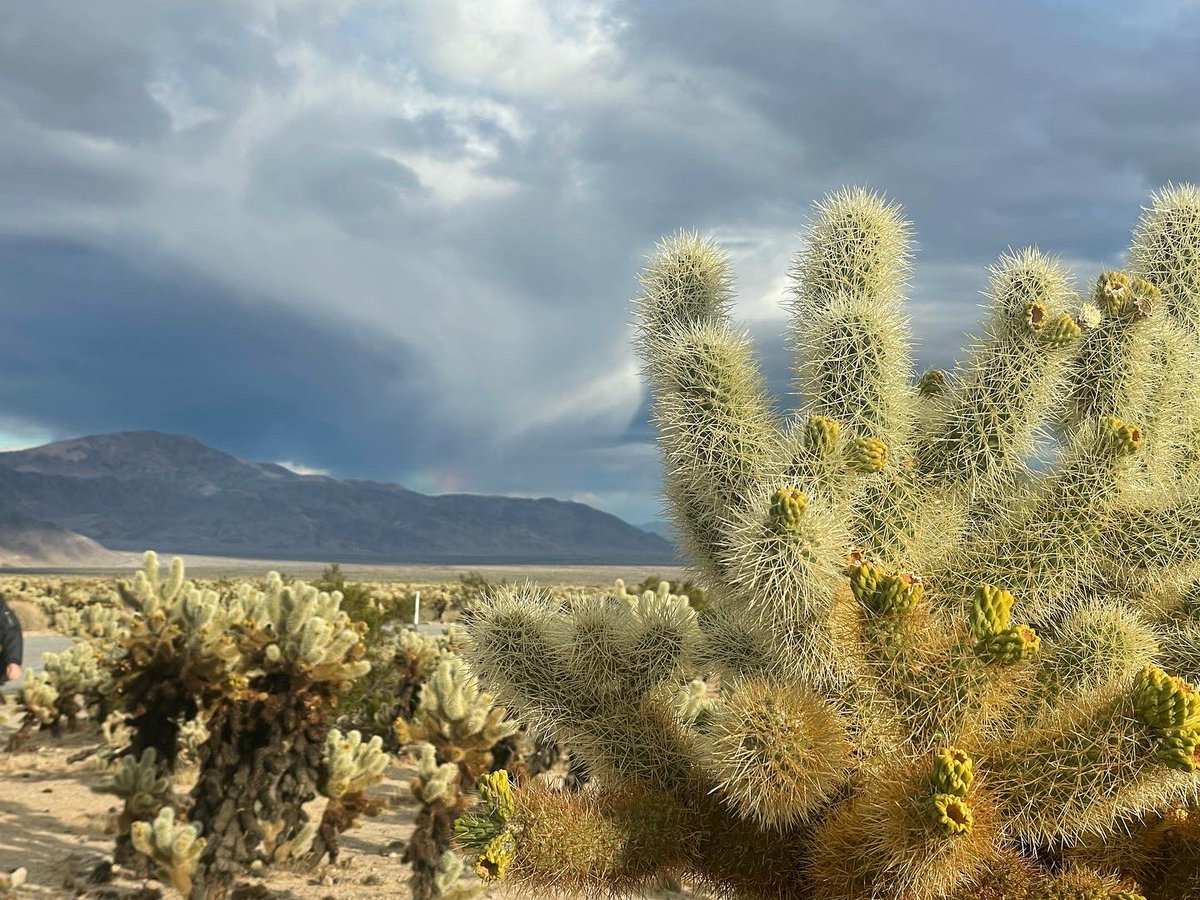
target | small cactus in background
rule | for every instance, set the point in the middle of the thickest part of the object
(351, 766)
(925, 669)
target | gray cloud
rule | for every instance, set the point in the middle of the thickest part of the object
(397, 239)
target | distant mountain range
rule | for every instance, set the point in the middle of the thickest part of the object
(138, 490)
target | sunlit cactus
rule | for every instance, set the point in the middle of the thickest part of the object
(262, 671)
(951, 626)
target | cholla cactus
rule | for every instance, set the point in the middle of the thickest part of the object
(143, 783)
(939, 667)
(175, 847)
(456, 728)
(263, 670)
(69, 683)
(351, 766)
(438, 788)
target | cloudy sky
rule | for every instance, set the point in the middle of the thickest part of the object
(397, 240)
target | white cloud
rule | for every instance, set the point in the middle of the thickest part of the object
(301, 468)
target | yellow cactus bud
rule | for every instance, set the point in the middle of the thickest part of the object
(898, 592)
(1113, 292)
(496, 859)
(1163, 701)
(1061, 331)
(953, 772)
(867, 455)
(1011, 646)
(864, 580)
(950, 815)
(787, 509)
(496, 791)
(821, 435)
(1120, 438)
(991, 611)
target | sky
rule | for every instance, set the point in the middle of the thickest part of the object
(399, 240)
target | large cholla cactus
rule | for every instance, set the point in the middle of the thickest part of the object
(263, 670)
(938, 658)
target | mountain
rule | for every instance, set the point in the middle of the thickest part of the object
(660, 527)
(148, 490)
(24, 542)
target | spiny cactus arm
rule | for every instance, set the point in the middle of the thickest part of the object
(1046, 546)
(610, 841)
(581, 674)
(850, 335)
(1166, 249)
(782, 563)
(716, 430)
(1085, 767)
(778, 752)
(1100, 644)
(927, 682)
(686, 283)
(717, 433)
(1154, 538)
(1013, 379)
(1180, 651)
(1113, 372)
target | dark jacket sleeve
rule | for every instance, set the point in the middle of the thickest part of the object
(12, 642)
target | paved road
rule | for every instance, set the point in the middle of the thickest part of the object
(35, 646)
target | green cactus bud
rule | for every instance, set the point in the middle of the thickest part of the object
(1163, 701)
(953, 772)
(1114, 292)
(787, 509)
(867, 455)
(475, 830)
(821, 435)
(864, 580)
(932, 383)
(898, 593)
(991, 611)
(1011, 646)
(1177, 748)
(1061, 331)
(949, 815)
(496, 859)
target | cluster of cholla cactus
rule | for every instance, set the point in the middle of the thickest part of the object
(69, 684)
(952, 624)
(262, 670)
(455, 731)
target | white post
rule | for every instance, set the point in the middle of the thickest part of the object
(417, 610)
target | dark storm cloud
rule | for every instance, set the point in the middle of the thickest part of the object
(397, 239)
